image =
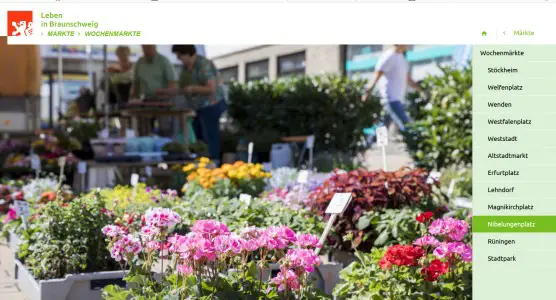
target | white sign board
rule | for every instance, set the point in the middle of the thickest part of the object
(382, 136)
(303, 176)
(310, 142)
(134, 179)
(82, 167)
(35, 162)
(339, 203)
(245, 198)
(22, 208)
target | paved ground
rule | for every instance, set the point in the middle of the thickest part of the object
(396, 157)
(9, 289)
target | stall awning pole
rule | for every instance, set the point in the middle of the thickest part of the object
(106, 92)
(60, 80)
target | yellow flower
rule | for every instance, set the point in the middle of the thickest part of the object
(188, 167)
(202, 165)
(204, 160)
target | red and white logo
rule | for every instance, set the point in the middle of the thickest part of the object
(20, 23)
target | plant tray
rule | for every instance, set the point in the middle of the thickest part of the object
(84, 286)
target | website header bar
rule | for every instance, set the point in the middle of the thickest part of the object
(276, 23)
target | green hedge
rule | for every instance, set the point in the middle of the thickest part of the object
(328, 105)
(441, 134)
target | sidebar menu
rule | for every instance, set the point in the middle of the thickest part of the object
(514, 172)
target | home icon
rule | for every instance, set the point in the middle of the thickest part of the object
(484, 33)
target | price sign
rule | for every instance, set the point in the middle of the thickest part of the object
(82, 167)
(245, 198)
(148, 171)
(22, 208)
(303, 176)
(433, 177)
(163, 166)
(134, 179)
(310, 142)
(382, 136)
(339, 203)
(35, 162)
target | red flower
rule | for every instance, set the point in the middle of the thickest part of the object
(424, 217)
(434, 270)
(401, 255)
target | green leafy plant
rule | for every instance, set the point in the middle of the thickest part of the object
(436, 266)
(371, 191)
(441, 134)
(238, 214)
(67, 238)
(328, 106)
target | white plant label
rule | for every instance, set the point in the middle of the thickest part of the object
(245, 198)
(35, 162)
(82, 167)
(61, 161)
(303, 176)
(250, 152)
(451, 187)
(310, 142)
(339, 203)
(148, 171)
(382, 136)
(134, 179)
(22, 208)
(433, 176)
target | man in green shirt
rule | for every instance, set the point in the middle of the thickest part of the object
(153, 72)
(200, 83)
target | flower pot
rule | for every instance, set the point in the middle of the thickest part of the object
(325, 277)
(84, 286)
(343, 257)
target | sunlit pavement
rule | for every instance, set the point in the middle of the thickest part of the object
(9, 289)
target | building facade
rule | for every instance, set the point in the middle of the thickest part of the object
(274, 61)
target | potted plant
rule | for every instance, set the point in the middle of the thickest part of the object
(63, 253)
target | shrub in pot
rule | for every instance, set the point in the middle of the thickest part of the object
(66, 238)
(371, 190)
(441, 134)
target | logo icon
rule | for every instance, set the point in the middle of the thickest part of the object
(20, 23)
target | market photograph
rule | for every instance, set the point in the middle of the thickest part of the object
(261, 172)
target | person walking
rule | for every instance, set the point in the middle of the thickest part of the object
(201, 85)
(394, 67)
